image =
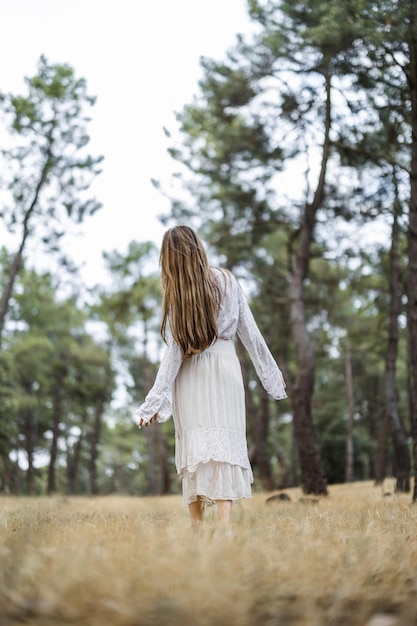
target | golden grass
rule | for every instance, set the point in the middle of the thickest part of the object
(120, 561)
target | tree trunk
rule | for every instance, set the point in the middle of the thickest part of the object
(30, 450)
(401, 461)
(381, 432)
(73, 460)
(53, 452)
(285, 478)
(73, 463)
(379, 461)
(11, 478)
(94, 446)
(349, 431)
(163, 456)
(17, 261)
(412, 239)
(158, 480)
(313, 476)
(153, 465)
(258, 425)
(56, 418)
(295, 464)
(264, 461)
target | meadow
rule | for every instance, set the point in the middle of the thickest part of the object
(345, 560)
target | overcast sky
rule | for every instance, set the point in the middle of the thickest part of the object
(141, 60)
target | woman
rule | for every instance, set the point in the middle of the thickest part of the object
(200, 381)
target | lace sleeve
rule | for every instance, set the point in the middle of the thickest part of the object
(266, 368)
(159, 398)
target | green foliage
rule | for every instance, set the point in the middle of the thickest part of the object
(250, 143)
(51, 370)
(254, 127)
(46, 171)
(137, 292)
(8, 412)
(47, 163)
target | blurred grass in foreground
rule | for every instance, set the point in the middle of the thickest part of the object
(350, 559)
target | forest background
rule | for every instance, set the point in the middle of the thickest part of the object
(297, 148)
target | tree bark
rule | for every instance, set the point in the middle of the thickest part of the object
(401, 461)
(53, 452)
(380, 432)
(73, 461)
(258, 425)
(264, 459)
(94, 446)
(349, 431)
(379, 461)
(163, 456)
(157, 471)
(152, 469)
(412, 239)
(285, 478)
(56, 418)
(313, 476)
(30, 450)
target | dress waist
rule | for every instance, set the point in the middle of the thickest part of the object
(221, 346)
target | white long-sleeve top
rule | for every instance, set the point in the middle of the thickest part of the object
(234, 319)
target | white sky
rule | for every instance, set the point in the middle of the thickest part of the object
(141, 60)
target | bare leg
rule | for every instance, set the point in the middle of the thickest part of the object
(196, 512)
(224, 511)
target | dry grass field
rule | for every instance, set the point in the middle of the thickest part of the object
(349, 559)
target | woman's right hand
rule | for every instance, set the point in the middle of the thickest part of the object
(142, 422)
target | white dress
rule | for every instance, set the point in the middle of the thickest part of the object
(205, 395)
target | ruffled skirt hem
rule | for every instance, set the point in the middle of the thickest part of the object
(217, 481)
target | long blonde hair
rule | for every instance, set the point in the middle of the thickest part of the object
(191, 294)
